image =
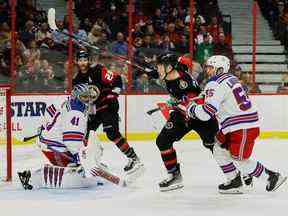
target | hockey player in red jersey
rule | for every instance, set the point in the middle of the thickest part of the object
(226, 99)
(182, 88)
(108, 85)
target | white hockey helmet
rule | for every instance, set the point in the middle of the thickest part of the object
(220, 63)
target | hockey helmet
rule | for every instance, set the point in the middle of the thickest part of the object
(168, 59)
(82, 54)
(220, 64)
(81, 92)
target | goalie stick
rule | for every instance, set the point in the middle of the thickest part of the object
(26, 139)
(53, 26)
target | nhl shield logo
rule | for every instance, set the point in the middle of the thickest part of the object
(183, 84)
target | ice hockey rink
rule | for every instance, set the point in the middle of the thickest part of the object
(198, 197)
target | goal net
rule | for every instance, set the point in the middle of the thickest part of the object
(5, 134)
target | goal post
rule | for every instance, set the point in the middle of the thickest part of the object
(5, 133)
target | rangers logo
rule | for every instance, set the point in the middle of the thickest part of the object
(169, 125)
(183, 84)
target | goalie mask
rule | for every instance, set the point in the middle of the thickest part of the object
(81, 92)
(217, 65)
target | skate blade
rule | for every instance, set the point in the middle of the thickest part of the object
(131, 177)
(232, 191)
(172, 187)
(137, 167)
(280, 182)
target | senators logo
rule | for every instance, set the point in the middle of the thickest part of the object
(94, 92)
(183, 84)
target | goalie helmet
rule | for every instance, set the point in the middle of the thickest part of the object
(82, 93)
(220, 64)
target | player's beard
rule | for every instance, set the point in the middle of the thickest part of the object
(83, 67)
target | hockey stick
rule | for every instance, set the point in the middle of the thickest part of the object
(26, 139)
(53, 26)
(150, 112)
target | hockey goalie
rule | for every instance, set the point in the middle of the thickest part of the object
(61, 140)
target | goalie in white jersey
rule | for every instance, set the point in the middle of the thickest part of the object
(226, 99)
(61, 139)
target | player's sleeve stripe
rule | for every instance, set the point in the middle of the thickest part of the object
(209, 109)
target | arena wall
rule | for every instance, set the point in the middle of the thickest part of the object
(28, 109)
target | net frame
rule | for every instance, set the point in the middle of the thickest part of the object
(5, 91)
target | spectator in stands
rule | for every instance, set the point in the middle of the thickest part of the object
(32, 61)
(167, 45)
(4, 12)
(248, 85)
(137, 32)
(204, 50)
(142, 83)
(28, 34)
(4, 34)
(120, 47)
(200, 35)
(222, 48)
(174, 37)
(147, 42)
(43, 34)
(158, 20)
(101, 24)
(214, 29)
(86, 25)
(95, 34)
(237, 71)
(57, 37)
(46, 72)
(79, 33)
(5, 60)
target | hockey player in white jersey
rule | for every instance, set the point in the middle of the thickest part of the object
(226, 99)
(61, 139)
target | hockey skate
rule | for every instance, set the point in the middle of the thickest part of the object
(24, 178)
(133, 166)
(275, 180)
(248, 182)
(233, 186)
(173, 182)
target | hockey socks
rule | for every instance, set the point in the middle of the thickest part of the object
(124, 147)
(169, 158)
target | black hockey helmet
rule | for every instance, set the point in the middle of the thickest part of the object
(82, 54)
(168, 59)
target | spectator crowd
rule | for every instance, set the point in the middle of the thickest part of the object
(158, 26)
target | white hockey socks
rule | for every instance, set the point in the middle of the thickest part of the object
(225, 162)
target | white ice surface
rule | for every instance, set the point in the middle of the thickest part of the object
(199, 196)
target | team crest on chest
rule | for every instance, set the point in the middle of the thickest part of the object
(183, 84)
(169, 125)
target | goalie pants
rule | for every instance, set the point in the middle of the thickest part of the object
(175, 128)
